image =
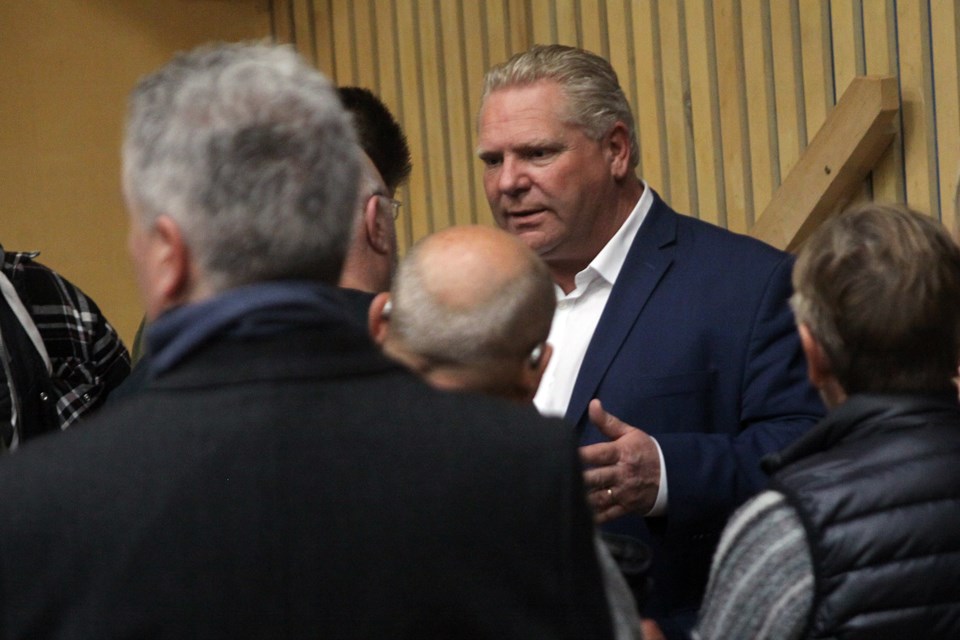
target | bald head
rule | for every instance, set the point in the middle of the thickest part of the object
(469, 307)
(466, 268)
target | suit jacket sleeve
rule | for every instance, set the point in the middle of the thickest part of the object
(710, 474)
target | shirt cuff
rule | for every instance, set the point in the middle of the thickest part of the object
(659, 507)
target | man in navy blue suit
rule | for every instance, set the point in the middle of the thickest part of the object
(676, 354)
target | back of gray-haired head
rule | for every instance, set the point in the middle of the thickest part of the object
(248, 149)
(595, 100)
(511, 308)
(879, 287)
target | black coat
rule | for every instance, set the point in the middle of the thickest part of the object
(877, 487)
(299, 485)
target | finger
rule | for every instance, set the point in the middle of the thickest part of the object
(600, 454)
(601, 500)
(611, 512)
(603, 478)
(608, 424)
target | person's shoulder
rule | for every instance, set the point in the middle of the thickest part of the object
(730, 242)
(708, 236)
(484, 421)
(768, 516)
(39, 285)
(503, 415)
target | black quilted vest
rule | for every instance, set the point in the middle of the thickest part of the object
(877, 486)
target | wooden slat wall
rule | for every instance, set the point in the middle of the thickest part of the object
(727, 93)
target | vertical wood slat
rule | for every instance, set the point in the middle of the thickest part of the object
(705, 111)
(281, 21)
(817, 61)
(519, 32)
(498, 32)
(880, 55)
(366, 45)
(649, 108)
(459, 156)
(593, 27)
(676, 92)
(334, 46)
(567, 21)
(324, 46)
(476, 66)
(620, 44)
(791, 138)
(761, 101)
(916, 93)
(542, 22)
(622, 57)
(846, 39)
(419, 222)
(846, 24)
(945, 22)
(738, 177)
(436, 118)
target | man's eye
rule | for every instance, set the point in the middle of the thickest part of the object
(539, 154)
(490, 161)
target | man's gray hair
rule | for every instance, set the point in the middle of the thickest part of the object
(879, 288)
(595, 101)
(248, 149)
(508, 323)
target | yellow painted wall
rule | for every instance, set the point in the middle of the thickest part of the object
(66, 67)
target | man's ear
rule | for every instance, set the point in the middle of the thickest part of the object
(170, 262)
(535, 366)
(374, 224)
(378, 317)
(618, 150)
(819, 368)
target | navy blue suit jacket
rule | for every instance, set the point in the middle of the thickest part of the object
(697, 346)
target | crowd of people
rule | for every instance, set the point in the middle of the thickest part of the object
(605, 419)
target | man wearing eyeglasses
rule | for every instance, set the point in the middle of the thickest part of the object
(372, 255)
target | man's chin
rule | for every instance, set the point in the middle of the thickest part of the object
(536, 240)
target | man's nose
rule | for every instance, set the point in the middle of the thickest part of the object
(513, 176)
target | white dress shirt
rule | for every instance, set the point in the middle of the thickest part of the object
(576, 318)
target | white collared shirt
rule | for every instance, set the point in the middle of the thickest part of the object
(577, 316)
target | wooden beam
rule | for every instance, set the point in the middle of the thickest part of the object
(835, 163)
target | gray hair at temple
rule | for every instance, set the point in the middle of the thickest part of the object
(879, 288)
(248, 149)
(595, 101)
(509, 313)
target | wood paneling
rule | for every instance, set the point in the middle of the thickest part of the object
(727, 95)
(916, 92)
(945, 23)
(846, 147)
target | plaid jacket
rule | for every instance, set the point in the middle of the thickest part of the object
(87, 357)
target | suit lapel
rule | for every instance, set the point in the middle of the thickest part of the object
(648, 259)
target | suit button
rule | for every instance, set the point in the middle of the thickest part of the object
(43, 396)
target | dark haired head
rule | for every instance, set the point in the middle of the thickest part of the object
(380, 135)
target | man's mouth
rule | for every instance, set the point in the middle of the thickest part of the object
(523, 213)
